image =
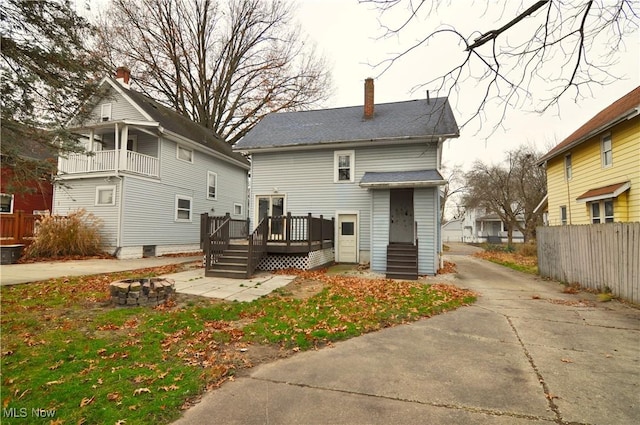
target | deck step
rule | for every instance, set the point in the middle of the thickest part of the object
(402, 261)
(233, 274)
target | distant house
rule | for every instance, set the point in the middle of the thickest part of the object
(375, 170)
(452, 231)
(480, 226)
(149, 174)
(593, 176)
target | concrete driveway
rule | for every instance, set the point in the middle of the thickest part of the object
(525, 353)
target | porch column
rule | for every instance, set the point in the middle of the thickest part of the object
(117, 147)
(123, 147)
(89, 150)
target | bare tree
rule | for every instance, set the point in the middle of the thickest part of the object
(540, 52)
(222, 64)
(511, 190)
(450, 193)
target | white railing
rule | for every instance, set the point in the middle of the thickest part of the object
(109, 161)
(142, 164)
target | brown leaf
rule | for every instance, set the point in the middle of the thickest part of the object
(133, 407)
(56, 365)
(121, 422)
(87, 401)
(113, 396)
(141, 390)
(566, 360)
(54, 383)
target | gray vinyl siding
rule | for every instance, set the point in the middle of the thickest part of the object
(426, 215)
(380, 229)
(78, 194)
(306, 179)
(149, 206)
(121, 108)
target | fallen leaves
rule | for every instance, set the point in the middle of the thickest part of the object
(142, 390)
(87, 401)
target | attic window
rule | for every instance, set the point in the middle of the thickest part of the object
(105, 112)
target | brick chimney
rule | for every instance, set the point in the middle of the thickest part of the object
(122, 75)
(368, 98)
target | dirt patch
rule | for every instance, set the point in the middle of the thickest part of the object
(301, 288)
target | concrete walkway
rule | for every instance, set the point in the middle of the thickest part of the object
(188, 282)
(525, 353)
(196, 283)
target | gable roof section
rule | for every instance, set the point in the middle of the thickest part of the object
(397, 120)
(623, 108)
(177, 123)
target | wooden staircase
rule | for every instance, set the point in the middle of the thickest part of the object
(402, 261)
(233, 262)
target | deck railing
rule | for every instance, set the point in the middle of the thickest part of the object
(238, 229)
(108, 160)
(257, 246)
(300, 229)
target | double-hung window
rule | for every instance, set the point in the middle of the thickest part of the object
(183, 208)
(212, 185)
(602, 211)
(344, 166)
(568, 171)
(607, 151)
(563, 214)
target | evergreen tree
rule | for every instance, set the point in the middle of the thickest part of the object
(47, 75)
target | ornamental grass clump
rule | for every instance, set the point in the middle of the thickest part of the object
(77, 234)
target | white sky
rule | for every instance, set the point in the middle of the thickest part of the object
(347, 34)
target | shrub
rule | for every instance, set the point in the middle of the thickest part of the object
(529, 249)
(60, 236)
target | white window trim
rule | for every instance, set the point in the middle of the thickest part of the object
(188, 198)
(215, 175)
(13, 200)
(234, 209)
(113, 196)
(178, 147)
(566, 215)
(568, 171)
(352, 166)
(602, 152)
(105, 112)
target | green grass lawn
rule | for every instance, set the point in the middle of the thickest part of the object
(72, 357)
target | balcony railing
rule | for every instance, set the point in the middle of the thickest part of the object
(109, 161)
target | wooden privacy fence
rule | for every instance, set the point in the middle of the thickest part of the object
(17, 228)
(595, 256)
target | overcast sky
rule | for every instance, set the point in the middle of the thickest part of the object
(347, 33)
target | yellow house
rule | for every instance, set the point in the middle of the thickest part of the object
(593, 176)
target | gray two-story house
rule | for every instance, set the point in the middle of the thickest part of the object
(373, 170)
(148, 174)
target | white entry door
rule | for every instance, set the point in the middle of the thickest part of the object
(347, 238)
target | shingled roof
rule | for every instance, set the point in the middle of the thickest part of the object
(398, 120)
(619, 110)
(181, 125)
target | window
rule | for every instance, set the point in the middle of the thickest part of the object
(184, 154)
(183, 208)
(237, 209)
(567, 167)
(563, 214)
(348, 228)
(595, 213)
(602, 211)
(105, 195)
(6, 203)
(344, 162)
(105, 112)
(212, 185)
(607, 153)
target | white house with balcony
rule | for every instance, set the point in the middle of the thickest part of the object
(148, 174)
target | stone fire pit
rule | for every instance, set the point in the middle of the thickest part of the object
(140, 292)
